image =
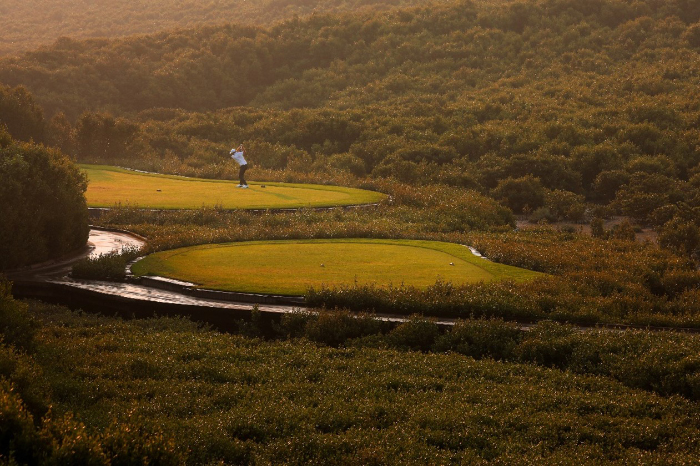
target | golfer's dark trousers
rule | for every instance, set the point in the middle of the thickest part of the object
(241, 174)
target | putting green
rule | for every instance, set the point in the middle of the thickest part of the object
(109, 186)
(290, 267)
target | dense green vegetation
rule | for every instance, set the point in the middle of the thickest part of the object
(109, 266)
(27, 24)
(556, 109)
(20, 116)
(31, 432)
(590, 280)
(463, 113)
(197, 396)
(547, 106)
(426, 212)
(44, 214)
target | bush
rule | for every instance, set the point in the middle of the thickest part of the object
(27, 379)
(349, 162)
(547, 344)
(64, 440)
(133, 444)
(18, 437)
(212, 392)
(335, 328)
(645, 193)
(44, 211)
(520, 194)
(481, 338)
(110, 266)
(608, 183)
(623, 232)
(418, 333)
(16, 325)
(665, 363)
(680, 236)
(565, 205)
(598, 228)
(542, 215)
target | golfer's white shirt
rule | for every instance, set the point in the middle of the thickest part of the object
(238, 157)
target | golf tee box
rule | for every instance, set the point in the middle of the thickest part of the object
(109, 187)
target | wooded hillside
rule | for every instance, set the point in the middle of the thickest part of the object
(542, 104)
(592, 49)
(27, 24)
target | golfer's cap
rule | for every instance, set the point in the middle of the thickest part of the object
(232, 151)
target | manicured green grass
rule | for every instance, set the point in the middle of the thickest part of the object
(109, 186)
(291, 267)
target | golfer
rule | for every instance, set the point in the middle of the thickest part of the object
(239, 156)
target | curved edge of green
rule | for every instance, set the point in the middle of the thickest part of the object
(367, 196)
(500, 272)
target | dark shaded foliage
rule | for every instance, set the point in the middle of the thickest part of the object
(234, 399)
(44, 214)
(20, 115)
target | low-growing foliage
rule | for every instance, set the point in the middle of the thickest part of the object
(65, 440)
(136, 386)
(234, 399)
(16, 325)
(27, 380)
(482, 338)
(417, 334)
(331, 328)
(109, 266)
(31, 433)
(427, 212)
(662, 362)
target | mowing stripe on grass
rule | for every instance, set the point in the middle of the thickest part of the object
(290, 267)
(110, 186)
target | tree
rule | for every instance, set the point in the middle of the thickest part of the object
(681, 236)
(22, 117)
(565, 205)
(623, 231)
(60, 134)
(608, 183)
(44, 212)
(103, 137)
(598, 228)
(520, 194)
(692, 35)
(645, 193)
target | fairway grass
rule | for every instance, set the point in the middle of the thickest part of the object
(291, 267)
(111, 186)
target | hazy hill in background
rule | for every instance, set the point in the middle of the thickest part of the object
(518, 54)
(27, 24)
